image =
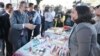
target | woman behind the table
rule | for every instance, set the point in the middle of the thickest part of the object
(97, 19)
(83, 39)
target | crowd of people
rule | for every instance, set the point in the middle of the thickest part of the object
(17, 27)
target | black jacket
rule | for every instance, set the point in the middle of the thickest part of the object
(4, 25)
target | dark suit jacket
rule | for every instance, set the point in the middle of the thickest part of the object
(5, 25)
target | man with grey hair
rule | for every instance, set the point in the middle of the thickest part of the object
(18, 35)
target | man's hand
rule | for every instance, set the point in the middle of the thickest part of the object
(29, 26)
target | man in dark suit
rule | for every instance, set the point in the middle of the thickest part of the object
(6, 26)
(30, 16)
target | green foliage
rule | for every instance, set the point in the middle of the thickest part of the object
(38, 1)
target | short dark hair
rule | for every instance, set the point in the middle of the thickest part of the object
(84, 15)
(35, 7)
(7, 5)
(1, 4)
(22, 2)
(47, 8)
(30, 4)
(98, 6)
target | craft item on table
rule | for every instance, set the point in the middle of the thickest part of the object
(66, 28)
(58, 31)
(30, 49)
(55, 51)
(17, 54)
(35, 42)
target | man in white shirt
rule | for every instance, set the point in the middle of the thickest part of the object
(49, 17)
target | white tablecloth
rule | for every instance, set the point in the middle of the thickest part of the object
(42, 46)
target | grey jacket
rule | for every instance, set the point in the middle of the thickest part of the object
(17, 20)
(83, 41)
(97, 25)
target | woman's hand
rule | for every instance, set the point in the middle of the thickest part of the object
(68, 52)
(55, 51)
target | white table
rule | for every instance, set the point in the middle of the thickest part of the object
(42, 46)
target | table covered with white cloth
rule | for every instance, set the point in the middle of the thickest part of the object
(43, 46)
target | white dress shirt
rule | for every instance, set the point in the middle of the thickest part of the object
(49, 16)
